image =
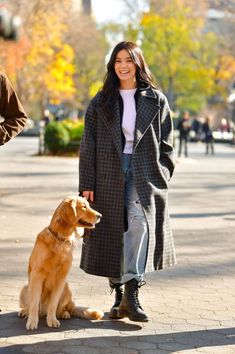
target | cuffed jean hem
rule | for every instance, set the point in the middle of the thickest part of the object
(127, 277)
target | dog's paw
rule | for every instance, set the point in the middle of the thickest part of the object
(23, 313)
(53, 322)
(32, 323)
(65, 315)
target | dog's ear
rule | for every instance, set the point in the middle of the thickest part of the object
(68, 211)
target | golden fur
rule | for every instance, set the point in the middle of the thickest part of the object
(47, 293)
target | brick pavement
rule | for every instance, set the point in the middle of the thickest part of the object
(192, 306)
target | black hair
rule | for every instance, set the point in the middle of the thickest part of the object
(144, 77)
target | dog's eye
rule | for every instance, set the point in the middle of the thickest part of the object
(84, 206)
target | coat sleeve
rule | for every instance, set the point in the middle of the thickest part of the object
(87, 156)
(11, 110)
(166, 143)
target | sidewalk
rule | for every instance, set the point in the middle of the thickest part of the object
(192, 306)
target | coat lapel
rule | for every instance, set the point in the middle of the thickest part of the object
(147, 108)
(113, 125)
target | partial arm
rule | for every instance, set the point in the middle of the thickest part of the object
(11, 110)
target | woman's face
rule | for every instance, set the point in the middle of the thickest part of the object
(125, 69)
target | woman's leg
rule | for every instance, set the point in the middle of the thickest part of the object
(135, 239)
(135, 246)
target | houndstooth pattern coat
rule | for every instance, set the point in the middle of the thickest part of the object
(100, 170)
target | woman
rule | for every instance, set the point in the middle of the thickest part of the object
(126, 161)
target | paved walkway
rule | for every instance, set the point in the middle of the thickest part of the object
(192, 306)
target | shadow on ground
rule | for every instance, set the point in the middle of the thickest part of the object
(108, 344)
(16, 326)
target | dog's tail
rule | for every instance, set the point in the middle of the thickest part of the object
(86, 312)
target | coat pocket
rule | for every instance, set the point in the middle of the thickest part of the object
(165, 172)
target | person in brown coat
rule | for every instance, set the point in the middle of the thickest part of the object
(126, 161)
(13, 117)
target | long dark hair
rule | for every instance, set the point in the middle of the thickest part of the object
(144, 77)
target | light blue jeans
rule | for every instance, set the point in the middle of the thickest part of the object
(135, 238)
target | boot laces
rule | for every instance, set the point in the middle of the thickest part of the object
(118, 293)
(136, 293)
(117, 287)
(135, 297)
(141, 283)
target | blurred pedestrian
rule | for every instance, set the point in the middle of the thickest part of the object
(207, 134)
(46, 117)
(11, 110)
(126, 161)
(196, 128)
(184, 127)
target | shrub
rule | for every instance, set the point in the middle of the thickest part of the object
(64, 137)
(75, 129)
(56, 137)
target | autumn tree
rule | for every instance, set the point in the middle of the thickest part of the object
(44, 72)
(90, 47)
(192, 62)
(179, 53)
(210, 51)
(60, 57)
(50, 60)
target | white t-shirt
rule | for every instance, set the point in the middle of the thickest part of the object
(129, 118)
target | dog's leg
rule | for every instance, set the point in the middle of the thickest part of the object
(24, 302)
(67, 307)
(66, 304)
(35, 290)
(53, 304)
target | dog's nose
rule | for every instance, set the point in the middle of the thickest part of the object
(98, 217)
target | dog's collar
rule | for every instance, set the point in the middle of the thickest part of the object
(58, 237)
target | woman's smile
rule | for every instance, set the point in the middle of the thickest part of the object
(125, 69)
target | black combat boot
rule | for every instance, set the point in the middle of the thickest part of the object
(130, 306)
(113, 313)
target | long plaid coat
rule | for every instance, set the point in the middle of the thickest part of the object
(100, 170)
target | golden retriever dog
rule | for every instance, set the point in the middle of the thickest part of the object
(47, 293)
